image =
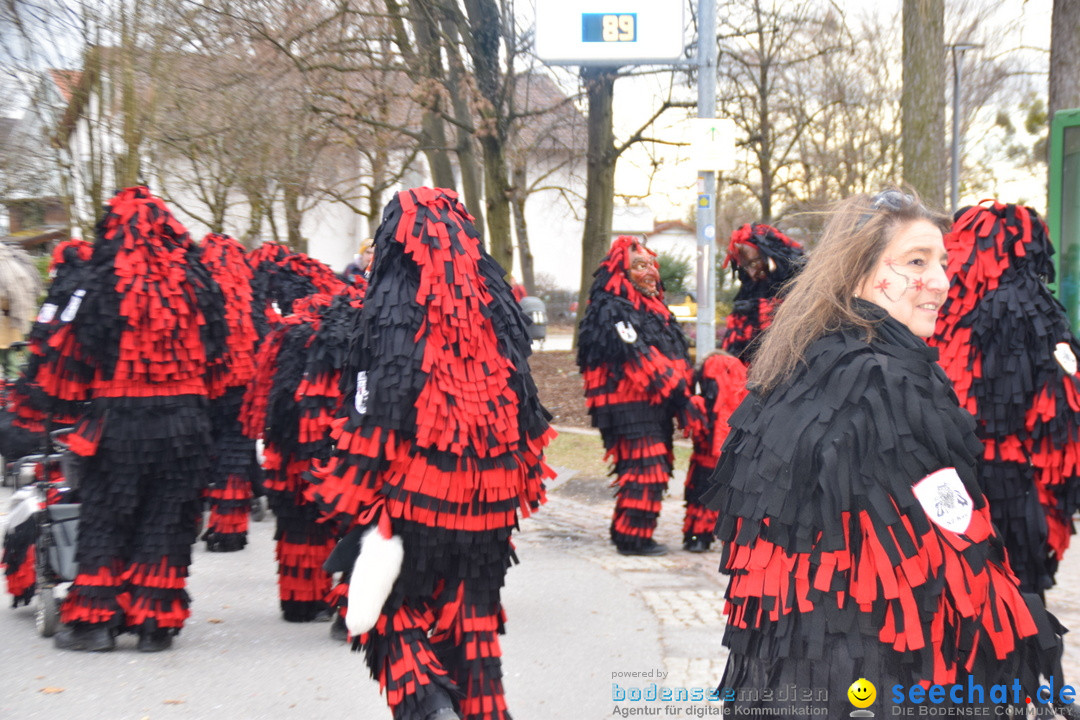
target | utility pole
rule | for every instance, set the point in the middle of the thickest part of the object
(706, 202)
(958, 69)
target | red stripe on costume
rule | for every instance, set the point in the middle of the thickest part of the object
(768, 583)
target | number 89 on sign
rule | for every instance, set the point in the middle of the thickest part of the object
(608, 27)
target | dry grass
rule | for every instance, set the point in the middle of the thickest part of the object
(584, 454)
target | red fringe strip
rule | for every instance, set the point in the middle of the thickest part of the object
(300, 573)
(767, 583)
(22, 578)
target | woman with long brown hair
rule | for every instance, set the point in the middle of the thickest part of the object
(858, 543)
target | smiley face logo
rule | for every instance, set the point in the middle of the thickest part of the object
(862, 693)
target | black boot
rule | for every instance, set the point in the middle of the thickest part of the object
(85, 638)
(258, 509)
(154, 640)
(648, 548)
(436, 705)
(443, 714)
(697, 543)
(338, 630)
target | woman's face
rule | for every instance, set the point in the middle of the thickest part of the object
(909, 280)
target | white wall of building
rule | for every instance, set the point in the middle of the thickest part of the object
(555, 232)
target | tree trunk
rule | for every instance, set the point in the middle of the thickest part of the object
(218, 208)
(521, 230)
(296, 241)
(471, 181)
(468, 162)
(275, 234)
(431, 124)
(1065, 56)
(599, 177)
(922, 102)
(256, 211)
(765, 90)
(485, 32)
(127, 164)
(442, 173)
(375, 197)
(497, 202)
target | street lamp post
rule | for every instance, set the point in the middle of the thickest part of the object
(706, 205)
(958, 51)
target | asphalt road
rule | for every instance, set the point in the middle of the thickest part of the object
(572, 624)
(580, 618)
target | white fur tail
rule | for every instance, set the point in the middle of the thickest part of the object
(376, 568)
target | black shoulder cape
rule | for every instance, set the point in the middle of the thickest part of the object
(837, 572)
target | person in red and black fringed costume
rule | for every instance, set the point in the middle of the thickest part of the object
(271, 412)
(264, 262)
(442, 448)
(764, 259)
(235, 468)
(281, 277)
(320, 399)
(856, 539)
(34, 411)
(148, 322)
(721, 385)
(637, 372)
(31, 413)
(291, 405)
(1006, 344)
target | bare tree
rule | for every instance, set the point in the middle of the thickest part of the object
(922, 103)
(604, 150)
(765, 47)
(850, 103)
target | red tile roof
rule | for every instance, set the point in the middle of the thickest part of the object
(66, 82)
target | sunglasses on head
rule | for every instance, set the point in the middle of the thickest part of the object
(891, 200)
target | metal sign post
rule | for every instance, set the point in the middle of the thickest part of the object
(706, 201)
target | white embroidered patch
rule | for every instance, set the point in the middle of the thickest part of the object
(47, 313)
(945, 499)
(626, 331)
(73, 306)
(361, 392)
(1066, 357)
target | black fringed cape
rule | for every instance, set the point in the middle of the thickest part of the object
(837, 570)
(1006, 344)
